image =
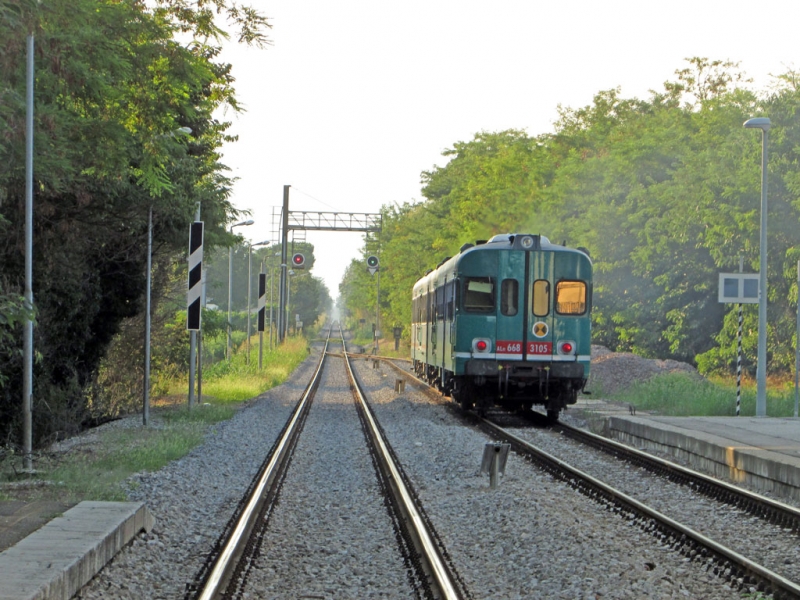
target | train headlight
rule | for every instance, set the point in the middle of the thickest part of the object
(527, 242)
(566, 348)
(481, 345)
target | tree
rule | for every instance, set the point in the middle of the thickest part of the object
(664, 193)
(113, 89)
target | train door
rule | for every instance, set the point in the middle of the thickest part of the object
(416, 329)
(510, 340)
(447, 323)
(432, 322)
(539, 328)
(440, 323)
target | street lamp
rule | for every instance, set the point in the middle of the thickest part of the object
(249, 279)
(230, 283)
(271, 299)
(27, 335)
(146, 393)
(763, 124)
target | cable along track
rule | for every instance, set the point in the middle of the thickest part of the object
(236, 566)
(725, 562)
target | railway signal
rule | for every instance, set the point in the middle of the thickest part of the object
(373, 264)
(298, 261)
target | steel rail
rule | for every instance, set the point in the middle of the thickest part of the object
(225, 562)
(429, 550)
(772, 510)
(786, 588)
(761, 506)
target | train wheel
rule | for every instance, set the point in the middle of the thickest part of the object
(462, 393)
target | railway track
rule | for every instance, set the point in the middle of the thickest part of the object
(724, 561)
(768, 509)
(233, 568)
(530, 537)
(770, 524)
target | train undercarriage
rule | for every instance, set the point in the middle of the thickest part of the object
(518, 386)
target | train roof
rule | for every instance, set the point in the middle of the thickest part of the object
(520, 241)
(505, 241)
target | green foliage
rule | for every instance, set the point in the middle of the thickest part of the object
(13, 314)
(115, 96)
(664, 192)
(100, 472)
(683, 395)
(309, 296)
(240, 379)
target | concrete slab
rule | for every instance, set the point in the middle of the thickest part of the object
(19, 519)
(58, 559)
(763, 452)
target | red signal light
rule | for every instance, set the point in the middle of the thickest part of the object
(481, 346)
(566, 347)
(298, 260)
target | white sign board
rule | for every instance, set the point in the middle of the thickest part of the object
(739, 288)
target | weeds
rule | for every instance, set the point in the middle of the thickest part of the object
(683, 395)
(96, 467)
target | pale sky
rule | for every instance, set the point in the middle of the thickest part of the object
(355, 99)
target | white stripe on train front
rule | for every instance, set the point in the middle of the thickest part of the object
(531, 357)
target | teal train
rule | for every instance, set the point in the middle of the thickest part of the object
(506, 322)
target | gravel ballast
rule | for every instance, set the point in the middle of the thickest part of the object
(193, 498)
(533, 537)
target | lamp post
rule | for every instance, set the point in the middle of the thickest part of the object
(230, 283)
(763, 124)
(271, 299)
(149, 278)
(27, 335)
(249, 292)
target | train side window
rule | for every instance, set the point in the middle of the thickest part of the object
(509, 297)
(428, 308)
(571, 297)
(541, 297)
(479, 294)
(440, 303)
(449, 299)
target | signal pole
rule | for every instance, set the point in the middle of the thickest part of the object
(284, 276)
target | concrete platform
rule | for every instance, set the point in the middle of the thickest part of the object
(20, 518)
(55, 561)
(761, 452)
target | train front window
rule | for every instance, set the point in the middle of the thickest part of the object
(479, 294)
(541, 298)
(509, 296)
(571, 297)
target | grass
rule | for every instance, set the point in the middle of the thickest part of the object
(682, 395)
(238, 380)
(386, 345)
(97, 466)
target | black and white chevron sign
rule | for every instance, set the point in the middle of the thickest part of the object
(195, 276)
(262, 300)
